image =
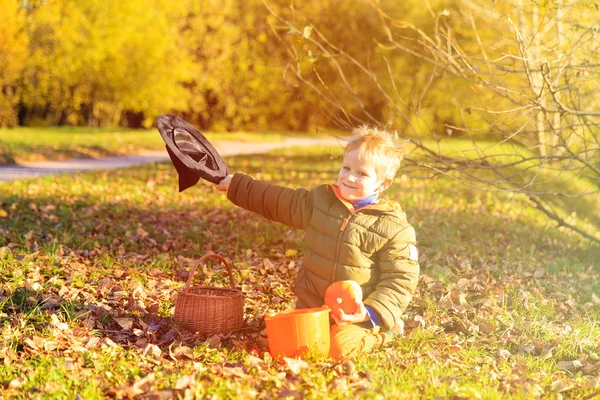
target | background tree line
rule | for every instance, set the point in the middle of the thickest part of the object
(123, 63)
(218, 64)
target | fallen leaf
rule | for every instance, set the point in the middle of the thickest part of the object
(4, 252)
(415, 322)
(60, 325)
(528, 348)
(92, 342)
(485, 327)
(139, 387)
(268, 264)
(34, 342)
(454, 348)
(462, 284)
(17, 383)
(560, 386)
(534, 389)
(295, 364)
(125, 323)
(182, 351)
(185, 381)
(50, 301)
(51, 387)
(503, 354)
(214, 341)
(152, 349)
(49, 346)
(571, 366)
(539, 273)
(590, 369)
(291, 253)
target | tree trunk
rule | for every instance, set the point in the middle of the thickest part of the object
(134, 119)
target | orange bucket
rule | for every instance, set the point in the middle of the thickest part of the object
(297, 332)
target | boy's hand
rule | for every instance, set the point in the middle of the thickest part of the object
(224, 184)
(360, 315)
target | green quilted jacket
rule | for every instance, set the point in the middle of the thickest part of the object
(374, 246)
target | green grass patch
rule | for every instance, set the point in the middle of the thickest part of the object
(25, 144)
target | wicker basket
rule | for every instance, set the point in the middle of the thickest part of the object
(208, 310)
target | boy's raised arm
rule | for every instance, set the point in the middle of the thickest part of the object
(292, 207)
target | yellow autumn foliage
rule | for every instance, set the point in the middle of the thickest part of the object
(13, 53)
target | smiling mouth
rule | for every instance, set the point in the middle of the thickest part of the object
(348, 186)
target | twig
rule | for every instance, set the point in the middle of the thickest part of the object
(561, 222)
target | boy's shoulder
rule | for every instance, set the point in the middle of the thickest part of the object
(391, 210)
(323, 193)
(324, 189)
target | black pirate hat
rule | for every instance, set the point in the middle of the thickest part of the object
(191, 153)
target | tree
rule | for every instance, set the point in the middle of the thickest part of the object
(517, 83)
(13, 53)
(236, 83)
(94, 61)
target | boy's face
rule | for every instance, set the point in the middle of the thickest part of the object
(358, 178)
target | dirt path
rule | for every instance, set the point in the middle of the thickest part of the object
(225, 148)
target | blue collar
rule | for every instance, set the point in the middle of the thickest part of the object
(366, 201)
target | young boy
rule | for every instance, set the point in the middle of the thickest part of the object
(351, 234)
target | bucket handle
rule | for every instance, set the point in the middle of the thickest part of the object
(211, 255)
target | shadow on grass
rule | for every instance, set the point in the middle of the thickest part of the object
(99, 230)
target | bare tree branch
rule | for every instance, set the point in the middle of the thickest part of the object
(561, 221)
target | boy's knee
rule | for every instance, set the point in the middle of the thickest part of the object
(343, 341)
(350, 340)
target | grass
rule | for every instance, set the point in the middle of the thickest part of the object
(26, 144)
(506, 307)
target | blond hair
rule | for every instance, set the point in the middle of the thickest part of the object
(378, 146)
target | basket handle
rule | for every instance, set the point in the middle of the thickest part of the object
(211, 255)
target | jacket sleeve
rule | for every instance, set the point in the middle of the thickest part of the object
(399, 274)
(292, 207)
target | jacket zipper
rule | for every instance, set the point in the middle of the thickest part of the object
(338, 246)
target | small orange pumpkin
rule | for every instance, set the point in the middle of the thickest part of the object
(343, 295)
